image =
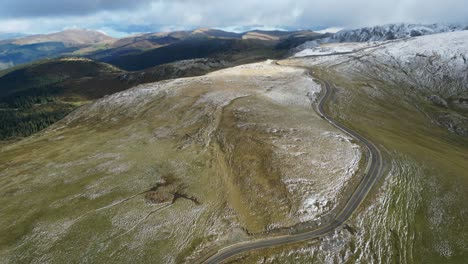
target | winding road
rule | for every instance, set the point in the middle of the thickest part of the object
(373, 172)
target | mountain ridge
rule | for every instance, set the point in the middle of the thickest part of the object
(382, 33)
(70, 37)
(99, 46)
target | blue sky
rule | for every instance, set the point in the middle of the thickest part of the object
(122, 17)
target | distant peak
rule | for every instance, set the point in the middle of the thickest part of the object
(202, 29)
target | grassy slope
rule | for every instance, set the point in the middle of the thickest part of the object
(46, 91)
(418, 214)
(19, 54)
(64, 186)
(37, 95)
(405, 131)
(34, 97)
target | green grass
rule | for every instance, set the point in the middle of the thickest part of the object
(48, 179)
(398, 125)
(57, 182)
(425, 206)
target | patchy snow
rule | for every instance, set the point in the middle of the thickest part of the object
(312, 166)
(330, 172)
(433, 63)
(220, 98)
(305, 91)
(392, 31)
(333, 48)
(373, 34)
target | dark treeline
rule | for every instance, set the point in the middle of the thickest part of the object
(24, 122)
(24, 113)
(26, 102)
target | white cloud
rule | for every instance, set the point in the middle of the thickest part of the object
(329, 30)
(125, 16)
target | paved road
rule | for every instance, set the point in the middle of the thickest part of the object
(372, 174)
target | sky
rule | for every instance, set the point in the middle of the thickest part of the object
(122, 17)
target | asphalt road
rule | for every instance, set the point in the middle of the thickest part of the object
(373, 172)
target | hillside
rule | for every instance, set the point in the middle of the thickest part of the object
(69, 37)
(12, 54)
(408, 97)
(31, 48)
(392, 31)
(234, 50)
(189, 163)
(174, 170)
(133, 45)
(32, 97)
(433, 69)
(380, 33)
(98, 46)
(35, 96)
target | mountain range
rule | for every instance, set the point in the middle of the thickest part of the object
(381, 33)
(98, 46)
(66, 69)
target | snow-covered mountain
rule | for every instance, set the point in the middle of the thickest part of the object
(391, 31)
(377, 33)
(433, 67)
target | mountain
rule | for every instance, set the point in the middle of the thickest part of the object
(69, 37)
(391, 31)
(35, 96)
(431, 70)
(13, 54)
(98, 46)
(265, 35)
(408, 96)
(233, 50)
(239, 155)
(31, 48)
(144, 42)
(182, 163)
(435, 66)
(379, 33)
(215, 33)
(10, 35)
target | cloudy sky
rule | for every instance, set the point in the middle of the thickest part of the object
(121, 17)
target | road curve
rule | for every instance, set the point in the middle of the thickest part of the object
(374, 171)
